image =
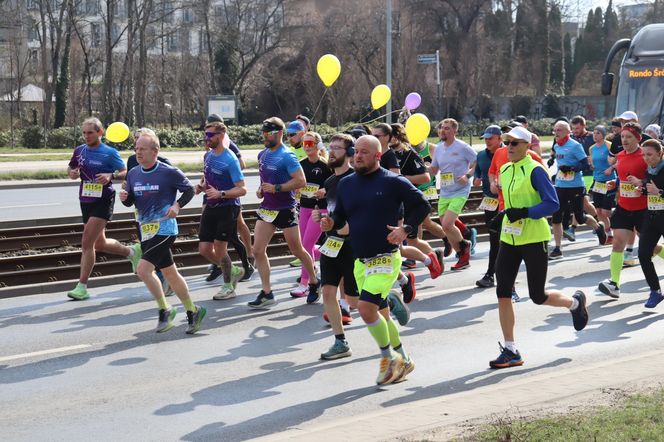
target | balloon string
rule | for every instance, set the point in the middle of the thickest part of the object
(313, 118)
(384, 115)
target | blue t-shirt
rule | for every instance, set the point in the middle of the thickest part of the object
(276, 167)
(570, 154)
(154, 192)
(222, 171)
(600, 159)
(93, 160)
(482, 171)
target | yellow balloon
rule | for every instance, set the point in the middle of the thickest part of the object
(328, 69)
(380, 96)
(417, 128)
(117, 132)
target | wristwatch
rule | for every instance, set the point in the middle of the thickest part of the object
(223, 194)
(408, 229)
(277, 188)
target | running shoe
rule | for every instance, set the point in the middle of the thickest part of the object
(408, 290)
(507, 358)
(165, 321)
(555, 254)
(515, 296)
(194, 319)
(295, 263)
(398, 308)
(236, 274)
(629, 260)
(601, 234)
(570, 234)
(215, 275)
(133, 259)
(79, 293)
(610, 288)
(389, 369)
(263, 300)
(473, 240)
(654, 299)
(313, 293)
(248, 272)
(346, 318)
(464, 258)
(210, 267)
(447, 251)
(435, 268)
(408, 263)
(440, 254)
(340, 349)
(225, 292)
(580, 314)
(486, 281)
(300, 292)
(408, 367)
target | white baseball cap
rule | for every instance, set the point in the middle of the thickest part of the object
(628, 115)
(518, 133)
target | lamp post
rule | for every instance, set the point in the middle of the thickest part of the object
(170, 111)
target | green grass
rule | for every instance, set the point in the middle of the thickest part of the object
(637, 418)
(14, 159)
(126, 153)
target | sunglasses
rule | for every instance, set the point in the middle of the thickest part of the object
(291, 134)
(513, 143)
(309, 143)
(211, 134)
(267, 133)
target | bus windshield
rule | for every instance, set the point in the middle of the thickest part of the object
(641, 89)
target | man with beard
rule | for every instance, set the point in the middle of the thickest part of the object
(369, 202)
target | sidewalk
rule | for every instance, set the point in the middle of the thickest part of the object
(442, 417)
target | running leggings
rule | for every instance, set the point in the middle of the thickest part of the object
(507, 267)
(309, 234)
(651, 231)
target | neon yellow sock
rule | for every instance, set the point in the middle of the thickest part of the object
(379, 331)
(616, 266)
(163, 305)
(393, 330)
(661, 251)
(189, 305)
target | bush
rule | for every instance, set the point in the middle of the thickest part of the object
(64, 138)
(6, 137)
(33, 137)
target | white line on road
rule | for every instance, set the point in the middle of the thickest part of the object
(43, 352)
(30, 205)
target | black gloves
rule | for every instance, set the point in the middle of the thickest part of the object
(565, 169)
(496, 223)
(550, 161)
(516, 214)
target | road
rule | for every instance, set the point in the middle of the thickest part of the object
(76, 370)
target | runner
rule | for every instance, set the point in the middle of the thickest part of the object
(336, 261)
(316, 171)
(653, 227)
(152, 188)
(456, 161)
(369, 201)
(603, 189)
(632, 205)
(97, 164)
(223, 184)
(570, 188)
(529, 199)
(295, 133)
(281, 175)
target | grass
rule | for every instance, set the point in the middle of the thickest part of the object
(639, 417)
(42, 157)
(124, 153)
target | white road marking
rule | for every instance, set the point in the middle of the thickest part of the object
(43, 352)
(30, 205)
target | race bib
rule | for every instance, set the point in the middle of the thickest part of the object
(655, 202)
(600, 187)
(332, 246)
(149, 230)
(430, 193)
(298, 195)
(92, 189)
(565, 176)
(446, 179)
(628, 190)
(515, 228)
(488, 203)
(378, 265)
(309, 190)
(267, 215)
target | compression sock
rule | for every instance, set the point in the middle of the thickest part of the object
(395, 340)
(189, 305)
(616, 261)
(381, 335)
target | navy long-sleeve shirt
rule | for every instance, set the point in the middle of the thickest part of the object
(370, 203)
(542, 183)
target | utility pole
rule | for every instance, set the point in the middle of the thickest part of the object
(388, 58)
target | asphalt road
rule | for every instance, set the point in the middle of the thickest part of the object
(96, 369)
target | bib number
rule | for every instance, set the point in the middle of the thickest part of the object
(565, 176)
(515, 228)
(149, 230)
(446, 179)
(309, 190)
(628, 190)
(600, 187)
(268, 215)
(430, 193)
(655, 202)
(332, 246)
(378, 265)
(488, 203)
(92, 190)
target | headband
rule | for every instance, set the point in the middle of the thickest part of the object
(633, 131)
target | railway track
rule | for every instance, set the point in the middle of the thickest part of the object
(49, 254)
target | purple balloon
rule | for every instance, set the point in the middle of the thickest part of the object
(413, 100)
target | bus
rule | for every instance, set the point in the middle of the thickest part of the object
(641, 75)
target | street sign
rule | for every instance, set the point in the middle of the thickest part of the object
(427, 59)
(222, 105)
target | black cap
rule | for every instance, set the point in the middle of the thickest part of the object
(273, 123)
(521, 119)
(303, 118)
(212, 118)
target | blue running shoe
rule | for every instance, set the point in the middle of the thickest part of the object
(507, 358)
(654, 299)
(398, 308)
